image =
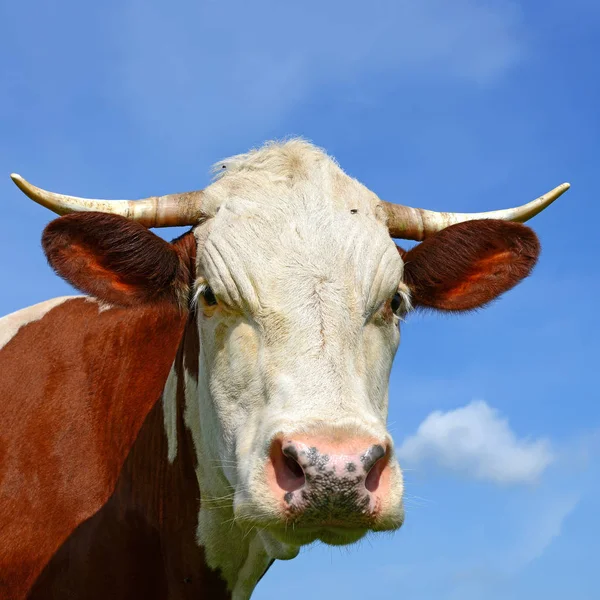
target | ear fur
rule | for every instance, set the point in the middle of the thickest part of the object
(112, 258)
(469, 264)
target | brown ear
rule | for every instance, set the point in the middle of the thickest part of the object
(469, 264)
(112, 258)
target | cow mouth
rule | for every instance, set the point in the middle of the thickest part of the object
(332, 535)
(332, 532)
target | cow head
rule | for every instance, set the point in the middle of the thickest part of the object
(298, 292)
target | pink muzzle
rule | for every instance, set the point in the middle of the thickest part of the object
(325, 484)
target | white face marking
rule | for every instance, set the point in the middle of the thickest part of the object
(301, 262)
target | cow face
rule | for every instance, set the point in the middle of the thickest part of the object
(299, 292)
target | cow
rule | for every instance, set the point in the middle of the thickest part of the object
(215, 403)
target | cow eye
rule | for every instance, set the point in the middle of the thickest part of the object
(209, 296)
(397, 304)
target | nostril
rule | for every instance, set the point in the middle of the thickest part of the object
(294, 467)
(371, 456)
(374, 461)
(288, 472)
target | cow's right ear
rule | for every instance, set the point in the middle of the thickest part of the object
(112, 258)
(469, 264)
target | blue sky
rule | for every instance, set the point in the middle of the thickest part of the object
(463, 105)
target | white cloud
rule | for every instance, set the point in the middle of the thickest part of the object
(476, 441)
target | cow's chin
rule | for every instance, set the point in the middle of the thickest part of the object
(333, 536)
(296, 534)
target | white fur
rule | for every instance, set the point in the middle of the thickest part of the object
(300, 259)
(169, 399)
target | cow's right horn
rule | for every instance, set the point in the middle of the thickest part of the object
(157, 211)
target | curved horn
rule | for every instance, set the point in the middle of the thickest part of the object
(409, 223)
(157, 211)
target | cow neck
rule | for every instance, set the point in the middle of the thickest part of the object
(78, 384)
(142, 542)
(240, 556)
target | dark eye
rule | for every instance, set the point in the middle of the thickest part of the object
(209, 296)
(397, 303)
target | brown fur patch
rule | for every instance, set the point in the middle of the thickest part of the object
(76, 387)
(469, 264)
(142, 542)
(191, 348)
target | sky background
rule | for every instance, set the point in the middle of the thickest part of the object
(462, 105)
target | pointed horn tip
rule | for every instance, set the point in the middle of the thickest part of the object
(558, 191)
(21, 183)
(27, 188)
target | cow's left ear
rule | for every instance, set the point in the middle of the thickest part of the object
(112, 258)
(469, 264)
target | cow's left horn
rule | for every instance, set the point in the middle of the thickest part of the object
(157, 211)
(410, 223)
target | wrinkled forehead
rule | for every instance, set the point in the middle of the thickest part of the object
(290, 211)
